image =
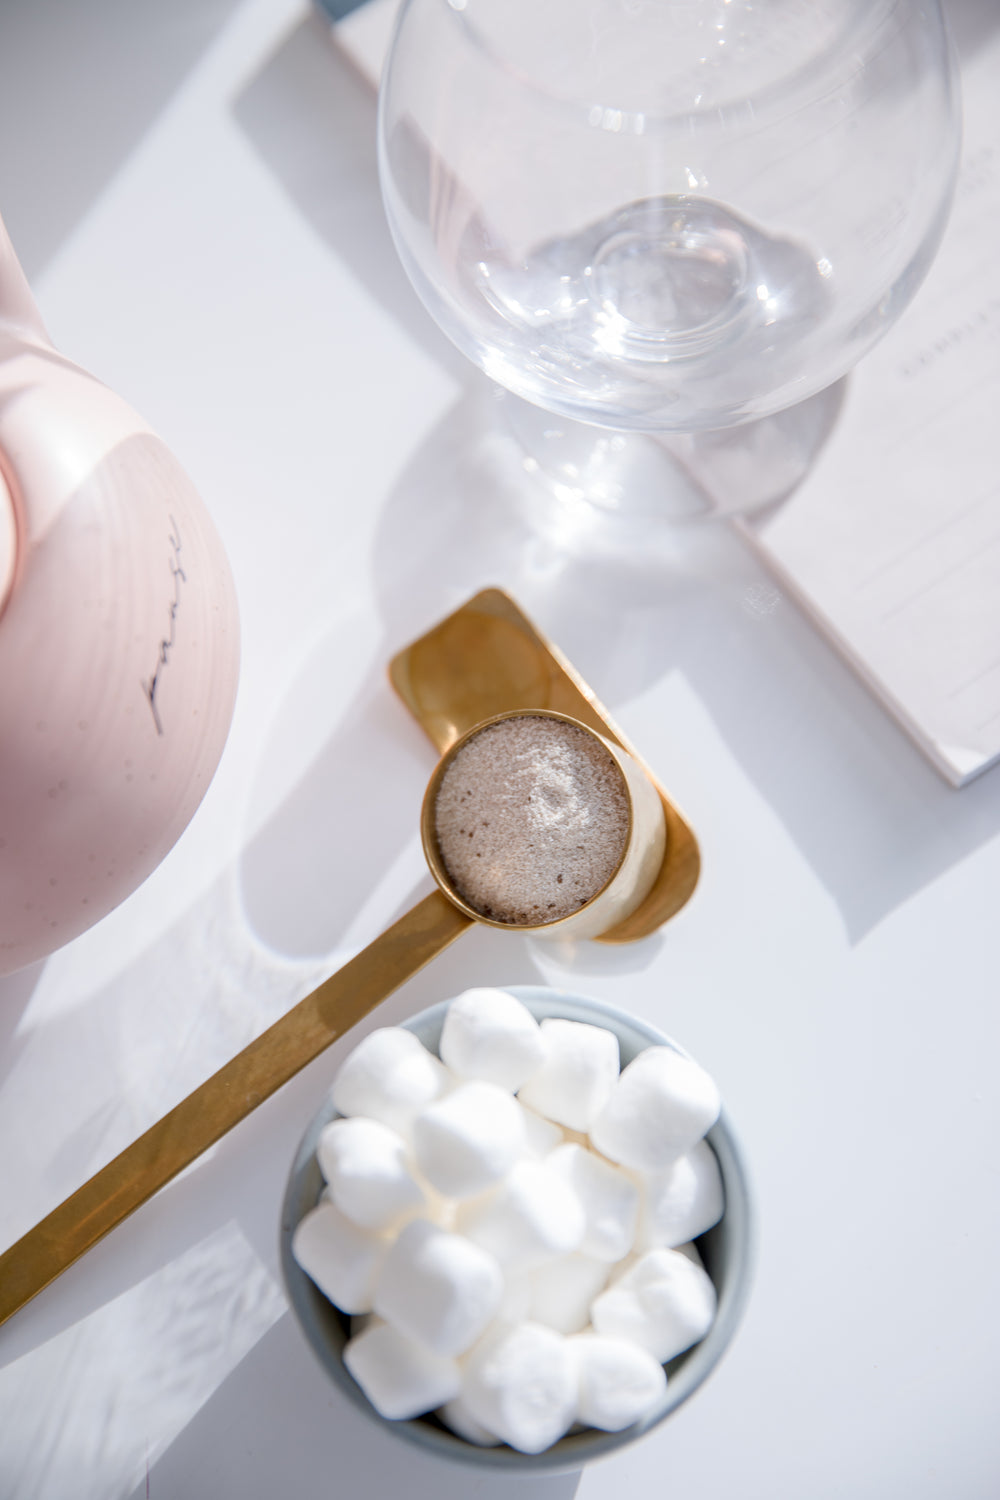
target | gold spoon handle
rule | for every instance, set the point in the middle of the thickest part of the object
(226, 1098)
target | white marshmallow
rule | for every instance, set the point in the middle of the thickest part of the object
(520, 1382)
(610, 1200)
(518, 1297)
(366, 1168)
(577, 1075)
(562, 1291)
(618, 1382)
(689, 1250)
(457, 1416)
(401, 1379)
(532, 1216)
(663, 1302)
(489, 1034)
(467, 1141)
(540, 1135)
(681, 1202)
(438, 1288)
(343, 1259)
(662, 1103)
(389, 1076)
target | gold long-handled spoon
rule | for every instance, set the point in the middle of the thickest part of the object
(310, 1026)
(225, 1098)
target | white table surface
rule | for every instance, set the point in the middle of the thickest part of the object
(192, 188)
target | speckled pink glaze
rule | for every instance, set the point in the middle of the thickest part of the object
(119, 642)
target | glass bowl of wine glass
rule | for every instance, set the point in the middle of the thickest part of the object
(667, 216)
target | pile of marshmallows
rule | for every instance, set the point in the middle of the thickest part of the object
(517, 1254)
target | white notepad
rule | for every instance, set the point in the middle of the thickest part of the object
(892, 544)
(364, 34)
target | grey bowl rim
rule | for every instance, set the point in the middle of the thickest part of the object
(314, 1313)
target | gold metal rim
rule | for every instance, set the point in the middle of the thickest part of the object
(428, 833)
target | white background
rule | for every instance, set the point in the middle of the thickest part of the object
(192, 189)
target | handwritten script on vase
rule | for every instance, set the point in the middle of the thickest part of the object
(151, 685)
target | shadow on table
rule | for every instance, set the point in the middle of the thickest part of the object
(311, 116)
(305, 1439)
(79, 85)
(307, 875)
(16, 991)
(972, 24)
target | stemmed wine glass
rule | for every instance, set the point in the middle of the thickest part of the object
(664, 217)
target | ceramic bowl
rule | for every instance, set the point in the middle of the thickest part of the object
(726, 1251)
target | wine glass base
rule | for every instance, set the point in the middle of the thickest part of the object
(649, 483)
(627, 474)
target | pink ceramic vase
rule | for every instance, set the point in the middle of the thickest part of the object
(119, 641)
